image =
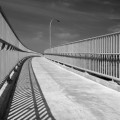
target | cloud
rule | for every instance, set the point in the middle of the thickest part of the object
(36, 41)
(66, 33)
(31, 18)
(114, 17)
(38, 36)
(94, 6)
(24, 7)
(67, 36)
(61, 9)
(115, 28)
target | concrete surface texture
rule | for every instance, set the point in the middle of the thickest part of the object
(28, 102)
(73, 97)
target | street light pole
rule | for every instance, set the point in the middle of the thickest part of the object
(51, 29)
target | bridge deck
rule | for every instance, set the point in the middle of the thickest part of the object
(72, 97)
(68, 95)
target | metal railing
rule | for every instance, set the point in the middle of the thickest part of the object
(11, 48)
(12, 56)
(99, 55)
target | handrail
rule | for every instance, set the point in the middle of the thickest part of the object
(99, 54)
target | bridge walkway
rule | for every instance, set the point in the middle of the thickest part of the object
(45, 91)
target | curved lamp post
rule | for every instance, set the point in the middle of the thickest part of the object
(50, 27)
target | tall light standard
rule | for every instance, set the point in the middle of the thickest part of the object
(50, 27)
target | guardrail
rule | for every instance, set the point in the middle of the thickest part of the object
(11, 48)
(8, 88)
(98, 55)
(12, 54)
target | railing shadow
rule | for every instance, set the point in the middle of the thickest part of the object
(28, 102)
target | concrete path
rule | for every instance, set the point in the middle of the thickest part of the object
(28, 101)
(73, 97)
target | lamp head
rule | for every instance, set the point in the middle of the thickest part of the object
(57, 20)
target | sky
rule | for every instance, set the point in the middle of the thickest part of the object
(79, 19)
